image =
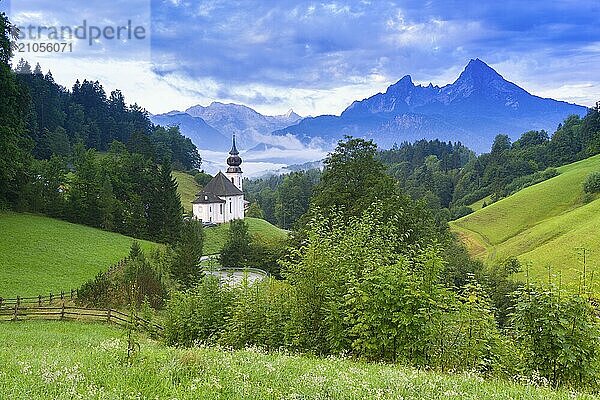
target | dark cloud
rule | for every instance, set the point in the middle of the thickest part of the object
(323, 45)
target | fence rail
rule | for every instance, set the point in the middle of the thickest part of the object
(20, 311)
(40, 300)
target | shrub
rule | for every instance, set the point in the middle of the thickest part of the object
(265, 254)
(132, 281)
(559, 334)
(236, 250)
(465, 337)
(260, 315)
(198, 315)
(592, 183)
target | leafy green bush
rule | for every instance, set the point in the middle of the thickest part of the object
(560, 336)
(260, 315)
(132, 281)
(592, 183)
(236, 250)
(198, 315)
(465, 338)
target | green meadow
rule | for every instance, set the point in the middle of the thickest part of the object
(73, 360)
(39, 255)
(217, 236)
(187, 189)
(546, 226)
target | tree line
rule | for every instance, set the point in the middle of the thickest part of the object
(448, 176)
(86, 157)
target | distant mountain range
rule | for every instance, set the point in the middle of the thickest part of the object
(475, 108)
(211, 127)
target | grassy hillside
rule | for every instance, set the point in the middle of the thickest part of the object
(217, 236)
(545, 225)
(40, 254)
(69, 360)
(187, 189)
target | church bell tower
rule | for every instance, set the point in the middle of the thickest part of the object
(234, 172)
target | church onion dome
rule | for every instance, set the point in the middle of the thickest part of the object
(234, 160)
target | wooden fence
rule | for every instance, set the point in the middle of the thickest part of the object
(46, 307)
(40, 300)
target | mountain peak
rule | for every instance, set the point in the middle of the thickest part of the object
(403, 84)
(477, 70)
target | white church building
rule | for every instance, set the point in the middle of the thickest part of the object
(222, 199)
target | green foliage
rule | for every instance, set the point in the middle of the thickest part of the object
(185, 266)
(465, 337)
(266, 254)
(198, 316)
(121, 192)
(15, 145)
(132, 283)
(349, 291)
(236, 252)
(352, 178)
(528, 180)
(592, 183)
(560, 335)
(293, 198)
(254, 211)
(283, 199)
(259, 315)
(202, 178)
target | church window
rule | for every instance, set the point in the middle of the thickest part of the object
(230, 207)
(221, 208)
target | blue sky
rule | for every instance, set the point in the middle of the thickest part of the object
(317, 57)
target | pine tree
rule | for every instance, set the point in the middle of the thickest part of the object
(185, 268)
(165, 211)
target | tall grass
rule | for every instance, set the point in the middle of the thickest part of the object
(69, 360)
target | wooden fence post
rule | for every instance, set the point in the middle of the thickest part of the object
(18, 301)
(71, 294)
(50, 298)
(16, 309)
(1, 302)
(39, 300)
(62, 295)
(62, 312)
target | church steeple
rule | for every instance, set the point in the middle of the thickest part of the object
(234, 151)
(234, 160)
(234, 171)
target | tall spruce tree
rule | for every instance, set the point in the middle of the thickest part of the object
(165, 211)
(185, 267)
(14, 144)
